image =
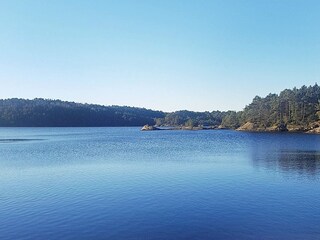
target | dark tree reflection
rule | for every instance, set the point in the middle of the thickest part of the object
(291, 153)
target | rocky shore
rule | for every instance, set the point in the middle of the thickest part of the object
(153, 128)
(247, 127)
(312, 128)
(149, 128)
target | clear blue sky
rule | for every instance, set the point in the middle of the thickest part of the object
(160, 54)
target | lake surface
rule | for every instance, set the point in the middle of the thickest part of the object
(120, 183)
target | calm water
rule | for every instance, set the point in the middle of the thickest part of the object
(120, 183)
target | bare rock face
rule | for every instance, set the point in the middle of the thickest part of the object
(295, 128)
(148, 128)
(314, 130)
(248, 126)
(274, 128)
(314, 125)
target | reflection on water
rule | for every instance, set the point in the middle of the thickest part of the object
(120, 183)
(288, 153)
(12, 140)
(300, 162)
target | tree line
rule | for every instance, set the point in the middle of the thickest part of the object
(295, 108)
(55, 113)
(191, 119)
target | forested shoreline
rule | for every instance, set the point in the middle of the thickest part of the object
(290, 110)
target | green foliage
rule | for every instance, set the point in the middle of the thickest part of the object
(231, 120)
(299, 107)
(191, 119)
(56, 113)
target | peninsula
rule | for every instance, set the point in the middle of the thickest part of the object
(293, 110)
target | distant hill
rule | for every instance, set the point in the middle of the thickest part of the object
(55, 113)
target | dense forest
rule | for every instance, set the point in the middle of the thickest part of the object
(292, 109)
(56, 113)
(191, 119)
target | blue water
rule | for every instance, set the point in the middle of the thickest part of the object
(120, 183)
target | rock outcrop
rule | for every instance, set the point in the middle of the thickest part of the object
(314, 127)
(248, 126)
(296, 128)
(314, 130)
(149, 128)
